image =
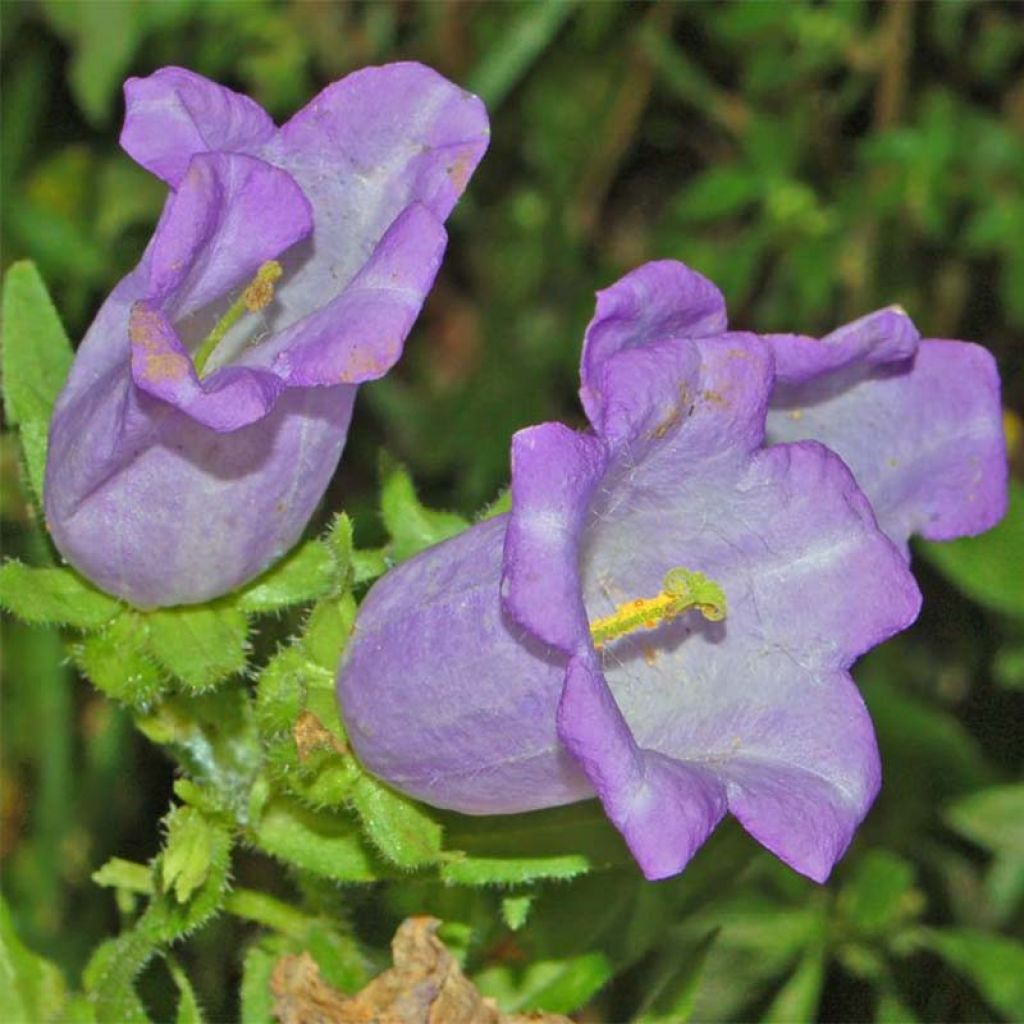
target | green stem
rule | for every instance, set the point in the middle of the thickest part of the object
(267, 911)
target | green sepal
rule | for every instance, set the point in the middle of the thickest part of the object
(200, 646)
(309, 572)
(327, 631)
(400, 829)
(117, 661)
(54, 597)
(411, 525)
(327, 845)
(118, 873)
(36, 357)
(32, 990)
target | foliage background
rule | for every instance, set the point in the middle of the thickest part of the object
(817, 161)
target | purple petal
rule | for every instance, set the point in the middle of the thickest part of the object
(658, 302)
(923, 435)
(174, 114)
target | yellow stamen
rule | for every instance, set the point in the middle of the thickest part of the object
(257, 295)
(682, 591)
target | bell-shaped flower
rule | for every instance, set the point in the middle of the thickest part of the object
(666, 618)
(209, 402)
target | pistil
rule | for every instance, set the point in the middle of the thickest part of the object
(257, 295)
(682, 591)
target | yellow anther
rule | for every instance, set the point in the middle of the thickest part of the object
(682, 591)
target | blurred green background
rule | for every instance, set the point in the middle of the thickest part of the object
(817, 161)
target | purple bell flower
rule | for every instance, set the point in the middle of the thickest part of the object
(209, 402)
(667, 616)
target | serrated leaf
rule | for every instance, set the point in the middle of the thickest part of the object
(328, 845)
(188, 1006)
(117, 661)
(993, 818)
(514, 849)
(411, 525)
(186, 861)
(402, 830)
(987, 567)
(309, 572)
(994, 963)
(36, 357)
(200, 646)
(32, 990)
(54, 596)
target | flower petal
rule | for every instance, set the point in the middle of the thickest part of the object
(923, 436)
(657, 302)
(174, 114)
(554, 472)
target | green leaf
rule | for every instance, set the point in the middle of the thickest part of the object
(110, 974)
(36, 358)
(117, 661)
(671, 995)
(54, 596)
(515, 910)
(188, 1006)
(399, 828)
(412, 526)
(798, 998)
(993, 818)
(201, 645)
(32, 990)
(987, 568)
(559, 986)
(118, 873)
(533, 30)
(328, 845)
(879, 893)
(515, 849)
(994, 963)
(186, 861)
(257, 967)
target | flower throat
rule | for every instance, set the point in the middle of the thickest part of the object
(258, 294)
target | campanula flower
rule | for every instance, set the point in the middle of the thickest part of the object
(667, 616)
(209, 402)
